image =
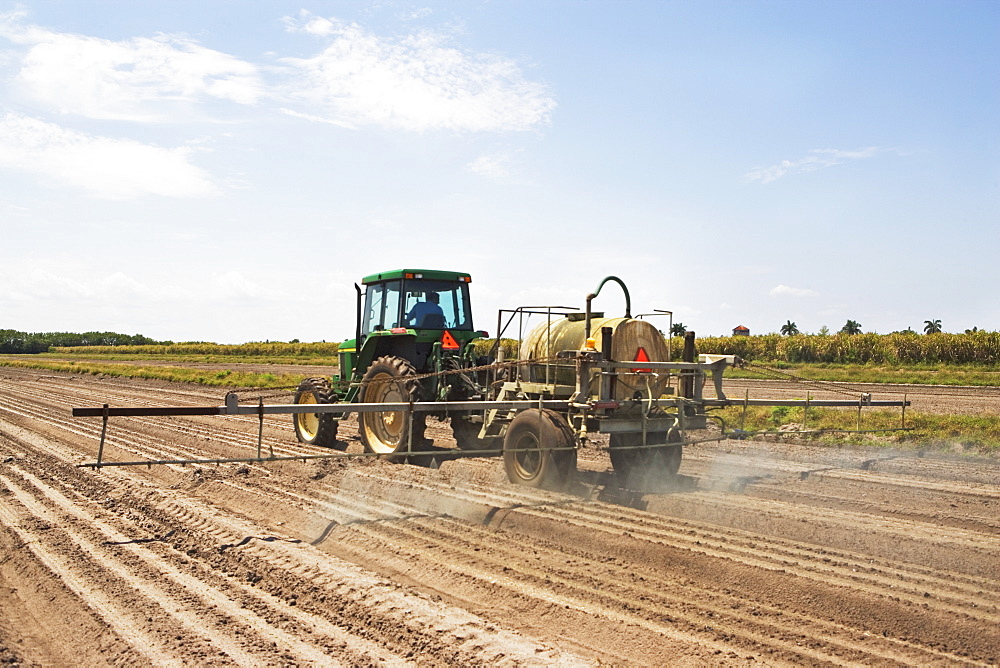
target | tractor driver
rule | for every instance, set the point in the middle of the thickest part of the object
(426, 313)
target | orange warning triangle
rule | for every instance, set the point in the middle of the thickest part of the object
(641, 356)
(448, 341)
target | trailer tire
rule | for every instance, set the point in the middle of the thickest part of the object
(388, 432)
(316, 428)
(643, 469)
(466, 434)
(539, 449)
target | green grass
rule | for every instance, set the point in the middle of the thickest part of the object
(264, 349)
(974, 434)
(963, 433)
(224, 378)
(64, 353)
(938, 374)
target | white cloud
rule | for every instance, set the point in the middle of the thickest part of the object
(495, 165)
(820, 158)
(233, 284)
(386, 224)
(106, 168)
(316, 119)
(757, 269)
(26, 281)
(788, 291)
(414, 83)
(415, 14)
(121, 287)
(138, 79)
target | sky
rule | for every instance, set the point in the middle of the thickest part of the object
(226, 171)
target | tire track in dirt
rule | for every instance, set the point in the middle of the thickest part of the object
(231, 601)
(973, 506)
(121, 620)
(732, 544)
(658, 604)
(451, 635)
(161, 583)
(797, 558)
(776, 561)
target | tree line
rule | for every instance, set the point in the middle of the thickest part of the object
(854, 327)
(15, 342)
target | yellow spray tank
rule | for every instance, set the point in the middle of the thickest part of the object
(630, 339)
(621, 339)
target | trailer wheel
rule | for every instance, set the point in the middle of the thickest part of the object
(642, 468)
(539, 449)
(315, 428)
(466, 434)
(388, 432)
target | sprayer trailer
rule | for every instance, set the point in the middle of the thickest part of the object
(576, 374)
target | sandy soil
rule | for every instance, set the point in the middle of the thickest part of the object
(760, 553)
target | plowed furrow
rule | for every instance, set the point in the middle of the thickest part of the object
(124, 440)
(619, 594)
(360, 597)
(733, 543)
(124, 621)
(195, 605)
(957, 592)
(770, 553)
(967, 593)
(936, 545)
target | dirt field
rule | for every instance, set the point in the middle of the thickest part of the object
(761, 553)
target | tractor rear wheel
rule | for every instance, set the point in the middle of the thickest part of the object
(389, 380)
(315, 428)
(644, 467)
(539, 449)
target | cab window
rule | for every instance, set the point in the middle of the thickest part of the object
(381, 307)
(432, 304)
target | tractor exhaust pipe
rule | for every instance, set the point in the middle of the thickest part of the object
(357, 322)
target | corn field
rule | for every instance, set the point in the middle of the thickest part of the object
(255, 349)
(977, 348)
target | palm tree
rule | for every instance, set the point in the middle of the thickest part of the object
(932, 326)
(851, 327)
(789, 328)
(678, 329)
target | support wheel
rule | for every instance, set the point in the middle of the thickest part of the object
(388, 432)
(645, 468)
(467, 434)
(315, 428)
(534, 453)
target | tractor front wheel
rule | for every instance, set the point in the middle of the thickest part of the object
(539, 449)
(390, 380)
(315, 428)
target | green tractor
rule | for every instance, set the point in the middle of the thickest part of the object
(413, 342)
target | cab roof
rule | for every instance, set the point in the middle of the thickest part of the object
(434, 274)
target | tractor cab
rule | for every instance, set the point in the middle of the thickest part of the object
(416, 299)
(422, 316)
